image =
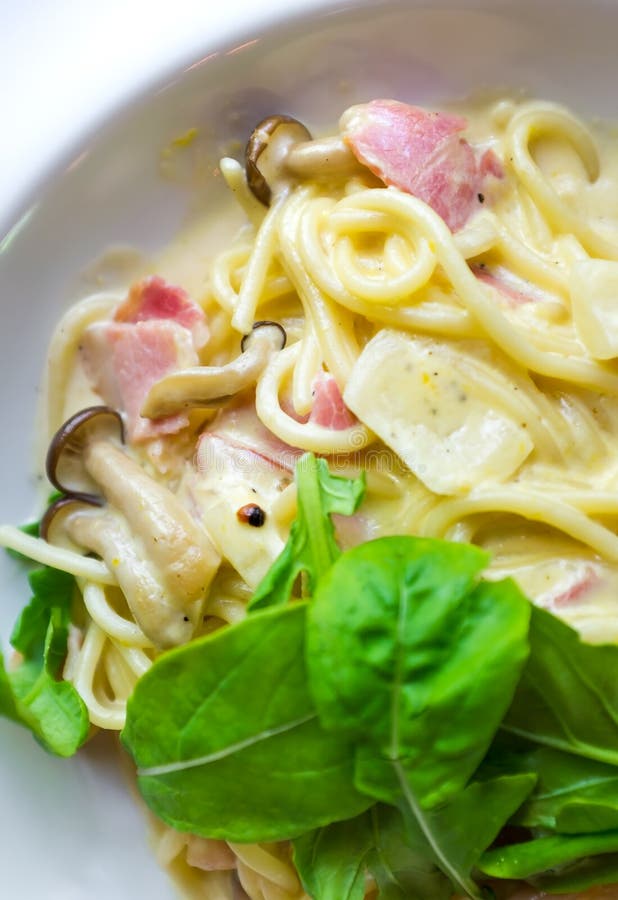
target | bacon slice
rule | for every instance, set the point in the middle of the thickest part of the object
(421, 153)
(218, 453)
(351, 531)
(241, 430)
(154, 298)
(577, 591)
(123, 361)
(489, 164)
(240, 427)
(157, 330)
(328, 407)
(209, 855)
(514, 290)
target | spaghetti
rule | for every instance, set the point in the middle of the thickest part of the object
(463, 368)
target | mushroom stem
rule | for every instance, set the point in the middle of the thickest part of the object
(210, 386)
(281, 150)
(324, 157)
(163, 561)
(155, 610)
(180, 549)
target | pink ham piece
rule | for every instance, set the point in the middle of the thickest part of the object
(209, 855)
(421, 153)
(515, 290)
(588, 579)
(123, 362)
(239, 427)
(157, 330)
(154, 298)
(351, 531)
(219, 454)
(328, 408)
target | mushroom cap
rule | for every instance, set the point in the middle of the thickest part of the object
(64, 463)
(52, 527)
(270, 142)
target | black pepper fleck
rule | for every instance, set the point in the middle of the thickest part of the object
(481, 198)
(251, 514)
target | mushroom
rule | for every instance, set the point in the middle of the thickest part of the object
(163, 560)
(210, 386)
(64, 464)
(54, 526)
(281, 149)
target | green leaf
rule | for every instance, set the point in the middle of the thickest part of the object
(400, 863)
(573, 795)
(30, 694)
(311, 547)
(568, 695)
(8, 702)
(406, 650)
(590, 872)
(51, 589)
(331, 861)
(417, 661)
(227, 741)
(453, 835)
(543, 854)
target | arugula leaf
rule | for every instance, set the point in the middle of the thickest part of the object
(401, 865)
(227, 741)
(463, 828)
(407, 651)
(452, 836)
(568, 694)
(573, 795)
(592, 871)
(8, 701)
(546, 853)
(408, 654)
(30, 694)
(331, 861)
(311, 547)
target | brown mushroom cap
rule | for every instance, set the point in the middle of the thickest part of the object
(64, 463)
(53, 521)
(265, 154)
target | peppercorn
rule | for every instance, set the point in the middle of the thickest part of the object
(251, 514)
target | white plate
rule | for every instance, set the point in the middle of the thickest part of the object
(69, 829)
